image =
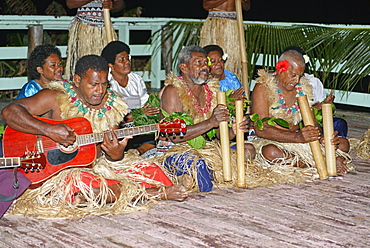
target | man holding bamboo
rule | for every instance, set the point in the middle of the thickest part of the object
(275, 95)
(192, 96)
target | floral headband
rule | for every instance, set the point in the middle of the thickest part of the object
(282, 66)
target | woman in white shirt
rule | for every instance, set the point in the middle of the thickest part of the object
(125, 82)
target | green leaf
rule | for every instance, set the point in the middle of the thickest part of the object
(212, 133)
(197, 142)
(271, 121)
(282, 123)
(259, 124)
(255, 117)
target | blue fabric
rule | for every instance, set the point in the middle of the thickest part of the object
(29, 89)
(231, 81)
(341, 126)
(176, 165)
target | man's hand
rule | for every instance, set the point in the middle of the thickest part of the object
(220, 114)
(62, 134)
(238, 94)
(107, 4)
(151, 110)
(309, 134)
(243, 125)
(334, 141)
(113, 148)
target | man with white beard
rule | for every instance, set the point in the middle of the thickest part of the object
(194, 94)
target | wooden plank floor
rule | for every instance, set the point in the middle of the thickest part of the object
(326, 213)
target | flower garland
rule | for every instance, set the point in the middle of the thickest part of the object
(209, 97)
(82, 107)
(282, 103)
(282, 66)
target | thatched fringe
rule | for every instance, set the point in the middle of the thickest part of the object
(361, 146)
(84, 40)
(258, 172)
(223, 32)
(53, 199)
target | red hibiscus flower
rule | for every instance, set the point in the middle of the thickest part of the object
(282, 66)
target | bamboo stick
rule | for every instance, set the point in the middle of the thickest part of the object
(225, 141)
(315, 145)
(108, 25)
(243, 52)
(328, 126)
(240, 144)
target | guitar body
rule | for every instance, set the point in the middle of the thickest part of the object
(17, 144)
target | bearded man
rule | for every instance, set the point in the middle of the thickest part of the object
(194, 93)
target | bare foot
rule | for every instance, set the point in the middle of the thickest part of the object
(175, 193)
(342, 167)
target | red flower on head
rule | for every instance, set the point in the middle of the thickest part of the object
(282, 66)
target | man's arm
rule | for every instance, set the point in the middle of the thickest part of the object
(19, 116)
(261, 107)
(170, 103)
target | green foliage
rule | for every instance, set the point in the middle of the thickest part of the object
(270, 121)
(344, 51)
(140, 118)
(197, 142)
(2, 128)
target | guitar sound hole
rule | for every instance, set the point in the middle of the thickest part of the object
(56, 156)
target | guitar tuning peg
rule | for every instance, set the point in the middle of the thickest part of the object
(25, 170)
(181, 134)
(32, 170)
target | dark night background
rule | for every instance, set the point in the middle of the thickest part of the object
(312, 11)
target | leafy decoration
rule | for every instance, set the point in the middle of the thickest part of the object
(270, 121)
(197, 142)
(140, 118)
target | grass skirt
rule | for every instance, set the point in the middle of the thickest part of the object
(296, 152)
(223, 32)
(84, 40)
(53, 199)
(362, 146)
(258, 173)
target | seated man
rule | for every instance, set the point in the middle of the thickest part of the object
(275, 95)
(319, 97)
(44, 66)
(111, 178)
(227, 80)
(193, 93)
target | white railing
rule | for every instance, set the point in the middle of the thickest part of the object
(124, 25)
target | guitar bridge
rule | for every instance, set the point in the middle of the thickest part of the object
(39, 146)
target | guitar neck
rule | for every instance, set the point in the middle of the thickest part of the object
(87, 139)
(7, 163)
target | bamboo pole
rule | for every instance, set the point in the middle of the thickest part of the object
(108, 25)
(225, 141)
(315, 145)
(240, 144)
(328, 126)
(239, 18)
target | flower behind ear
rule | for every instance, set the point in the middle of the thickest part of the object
(282, 66)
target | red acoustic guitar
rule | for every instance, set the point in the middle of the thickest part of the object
(81, 153)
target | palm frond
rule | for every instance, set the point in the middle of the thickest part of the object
(340, 57)
(20, 7)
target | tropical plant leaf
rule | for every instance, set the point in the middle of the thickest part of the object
(340, 57)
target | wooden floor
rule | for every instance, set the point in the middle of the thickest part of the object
(327, 213)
